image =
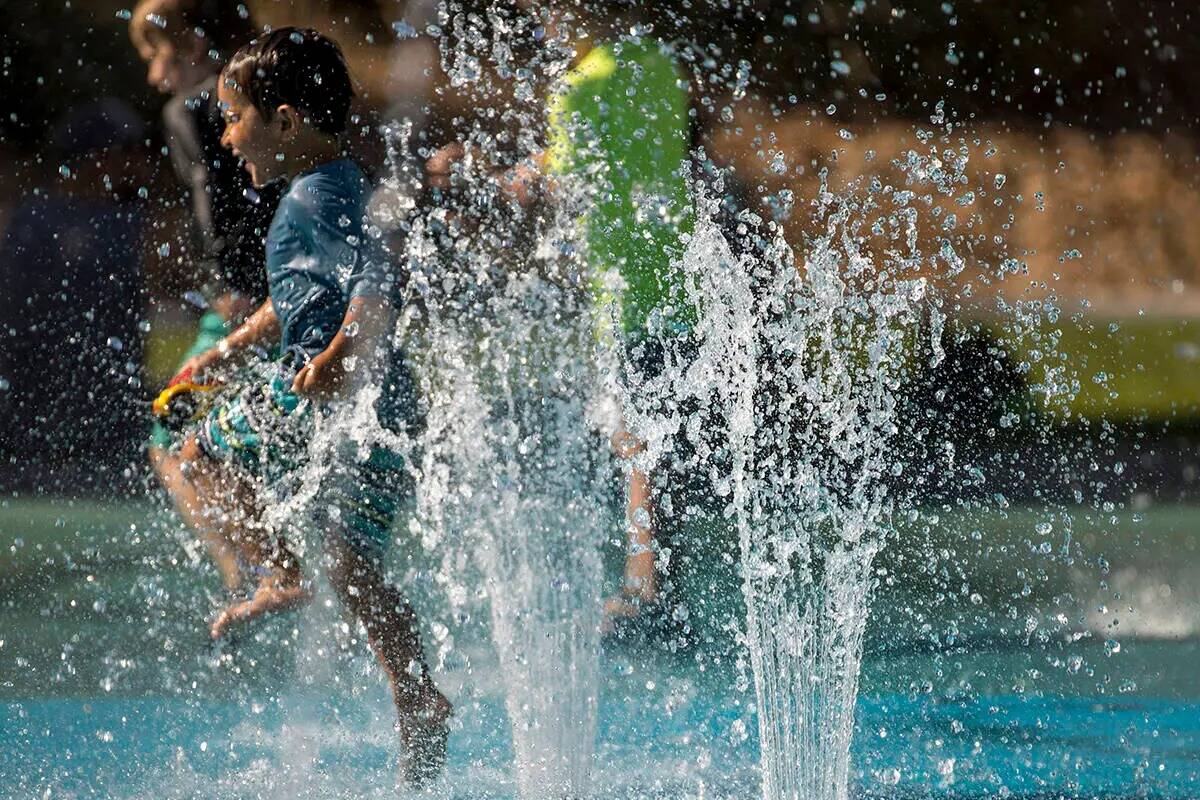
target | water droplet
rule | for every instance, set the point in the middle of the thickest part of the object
(641, 517)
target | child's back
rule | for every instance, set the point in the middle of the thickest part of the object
(319, 258)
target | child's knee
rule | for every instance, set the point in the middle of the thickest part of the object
(190, 452)
(192, 457)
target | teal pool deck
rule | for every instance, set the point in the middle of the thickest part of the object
(1003, 659)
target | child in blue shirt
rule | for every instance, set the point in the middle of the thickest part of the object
(286, 96)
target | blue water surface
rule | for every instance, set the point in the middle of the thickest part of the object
(109, 689)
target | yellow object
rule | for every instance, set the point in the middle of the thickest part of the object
(164, 405)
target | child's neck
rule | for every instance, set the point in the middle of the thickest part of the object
(315, 150)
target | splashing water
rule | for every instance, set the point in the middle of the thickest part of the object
(802, 371)
(514, 476)
(853, 460)
(801, 366)
(804, 368)
(512, 450)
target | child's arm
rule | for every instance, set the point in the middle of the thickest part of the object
(355, 345)
(259, 328)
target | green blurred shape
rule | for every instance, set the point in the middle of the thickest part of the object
(1117, 368)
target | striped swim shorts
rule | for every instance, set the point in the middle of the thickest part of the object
(264, 429)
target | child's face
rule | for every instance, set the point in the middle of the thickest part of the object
(255, 140)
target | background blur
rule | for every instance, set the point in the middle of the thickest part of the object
(1090, 108)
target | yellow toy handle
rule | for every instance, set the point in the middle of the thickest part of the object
(162, 404)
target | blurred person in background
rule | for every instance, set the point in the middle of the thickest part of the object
(412, 69)
(70, 344)
(184, 44)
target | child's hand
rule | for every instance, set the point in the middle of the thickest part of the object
(441, 164)
(521, 183)
(194, 368)
(322, 377)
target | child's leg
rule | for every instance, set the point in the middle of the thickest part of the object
(393, 634)
(194, 510)
(641, 580)
(239, 523)
(640, 587)
(356, 506)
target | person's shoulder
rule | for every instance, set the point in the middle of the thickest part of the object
(328, 192)
(342, 178)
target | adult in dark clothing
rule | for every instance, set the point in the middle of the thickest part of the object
(184, 44)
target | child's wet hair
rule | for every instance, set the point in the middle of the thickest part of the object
(223, 25)
(298, 67)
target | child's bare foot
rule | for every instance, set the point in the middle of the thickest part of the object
(424, 734)
(622, 606)
(272, 595)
